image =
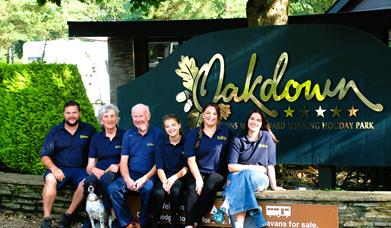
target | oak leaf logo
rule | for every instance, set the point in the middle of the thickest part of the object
(188, 71)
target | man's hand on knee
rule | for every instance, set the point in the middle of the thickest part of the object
(58, 174)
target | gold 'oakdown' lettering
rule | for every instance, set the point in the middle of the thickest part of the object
(269, 87)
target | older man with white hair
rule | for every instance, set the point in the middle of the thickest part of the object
(137, 166)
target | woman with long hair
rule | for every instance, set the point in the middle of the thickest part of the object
(206, 149)
(251, 161)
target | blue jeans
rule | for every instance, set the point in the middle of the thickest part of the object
(118, 191)
(240, 193)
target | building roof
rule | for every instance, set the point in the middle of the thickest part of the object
(153, 30)
(359, 5)
(373, 21)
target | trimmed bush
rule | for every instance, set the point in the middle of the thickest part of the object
(32, 98)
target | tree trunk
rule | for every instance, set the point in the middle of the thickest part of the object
(10, 56)
(267, 12)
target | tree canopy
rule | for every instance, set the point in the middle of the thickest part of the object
(296, 7)
(30, 20)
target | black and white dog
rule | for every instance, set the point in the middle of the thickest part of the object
(96, 210)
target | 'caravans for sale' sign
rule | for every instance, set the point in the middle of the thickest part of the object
(300, 215)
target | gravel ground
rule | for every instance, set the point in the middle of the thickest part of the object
(11, 219)
(15, 219)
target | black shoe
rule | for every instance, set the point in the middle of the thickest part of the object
(174, 225)
(152, 224)
(115, 224)
(66, 221)
(46, 223)
(174, 222)
(87, 223)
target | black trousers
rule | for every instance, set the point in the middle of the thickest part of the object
(175, 200)
(198, 205)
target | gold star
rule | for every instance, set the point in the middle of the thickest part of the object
(289, 112)
(336, 111)
(353, 112)
(304, 112)
(320, 111)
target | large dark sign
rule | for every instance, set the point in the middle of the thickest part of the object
(324, 88)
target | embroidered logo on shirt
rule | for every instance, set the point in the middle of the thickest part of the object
(150, 144)
(84, 136)
(262, 146)
(222, 137)
(118, 147)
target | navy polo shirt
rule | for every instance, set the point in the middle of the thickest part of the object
(170, 158)
(140, 149)
(211, 156)
(107, 152)
(68, 150)
(261, 152)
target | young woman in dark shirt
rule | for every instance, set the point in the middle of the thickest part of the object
(171, 167)
(206, 149)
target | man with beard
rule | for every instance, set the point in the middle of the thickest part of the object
(64, 153)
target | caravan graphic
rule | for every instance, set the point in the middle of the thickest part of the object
(278, 211)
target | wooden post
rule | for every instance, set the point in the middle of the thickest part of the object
(327, 177)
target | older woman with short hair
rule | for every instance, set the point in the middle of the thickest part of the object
(104, 153)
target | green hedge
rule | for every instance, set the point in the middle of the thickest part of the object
(32, 98)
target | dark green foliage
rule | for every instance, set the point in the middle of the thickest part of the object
(32, 98)
(136, 4)
(42, 2)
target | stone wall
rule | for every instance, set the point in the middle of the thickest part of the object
(23, 193)
(355, 209)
